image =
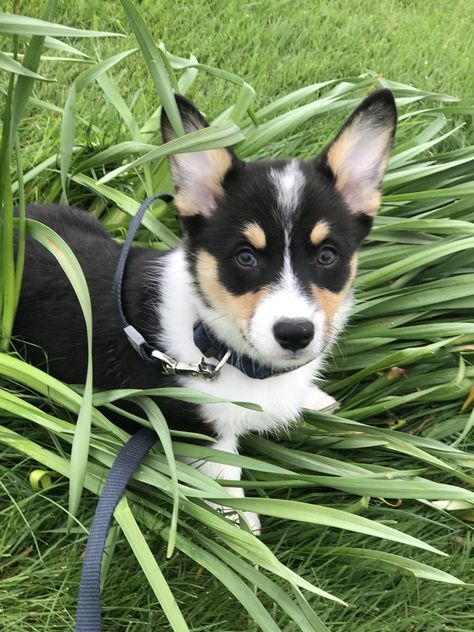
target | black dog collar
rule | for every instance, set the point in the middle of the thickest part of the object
(212, 347)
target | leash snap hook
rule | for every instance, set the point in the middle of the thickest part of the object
(208, 371)
(217, 368)
(201, 369)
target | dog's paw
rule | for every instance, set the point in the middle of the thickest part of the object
(253, 522)
(318, 400)
(252, 519)
(229, 472)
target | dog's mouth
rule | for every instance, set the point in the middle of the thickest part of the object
(264, 349)
(284, 358)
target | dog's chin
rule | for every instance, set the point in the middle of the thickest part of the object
(287, 360)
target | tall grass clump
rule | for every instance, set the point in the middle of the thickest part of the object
(371, 490)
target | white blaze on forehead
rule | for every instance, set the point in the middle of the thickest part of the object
(289, 183)
(288, 281)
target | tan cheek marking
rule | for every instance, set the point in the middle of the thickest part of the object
(330, 302)
(242, 308)
(319, 232)
(255, 235)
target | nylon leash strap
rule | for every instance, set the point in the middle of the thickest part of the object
(128, 459)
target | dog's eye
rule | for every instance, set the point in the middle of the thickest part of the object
(327, 256)
(246, 258)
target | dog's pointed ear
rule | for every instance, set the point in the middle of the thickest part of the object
(358, 156)
(197, 176)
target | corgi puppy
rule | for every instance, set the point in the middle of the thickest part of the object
(261, 282)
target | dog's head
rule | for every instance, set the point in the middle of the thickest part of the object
(272, 245)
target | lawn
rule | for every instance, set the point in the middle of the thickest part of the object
(383, 486)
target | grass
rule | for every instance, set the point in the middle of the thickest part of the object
(275, 48)
(403, 371)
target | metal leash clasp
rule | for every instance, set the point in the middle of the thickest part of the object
(170, 366)
(203, 369)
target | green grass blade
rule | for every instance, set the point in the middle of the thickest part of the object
(68, 128)
(24, 85)
(56, 44)
(10, 65)
(23, 25)
(152, 571)
(67, 260)
(94, 72)
(7, 270)
(380, 558)
(158, 422)
(156, 67)
(294, 510)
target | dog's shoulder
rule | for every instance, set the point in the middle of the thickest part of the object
(66, 220)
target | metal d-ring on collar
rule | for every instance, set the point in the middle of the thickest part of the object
(158, 359)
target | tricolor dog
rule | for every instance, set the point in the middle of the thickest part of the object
(260, 284)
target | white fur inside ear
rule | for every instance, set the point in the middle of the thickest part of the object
(358, 159)
(198, 177)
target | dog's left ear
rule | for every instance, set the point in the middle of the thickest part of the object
(198, 176)
(358, 156)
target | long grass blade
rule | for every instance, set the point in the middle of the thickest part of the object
(67, 260)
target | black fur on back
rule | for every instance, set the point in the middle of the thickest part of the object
(49, 327)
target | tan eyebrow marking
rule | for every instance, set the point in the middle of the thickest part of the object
(320, 232)
(254, 233)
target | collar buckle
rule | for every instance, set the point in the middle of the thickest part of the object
(202, 369)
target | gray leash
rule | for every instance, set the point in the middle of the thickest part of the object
(128, 459)
(130, 456)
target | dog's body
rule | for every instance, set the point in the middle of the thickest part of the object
(267, 263)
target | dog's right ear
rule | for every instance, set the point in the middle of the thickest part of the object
(197, 176)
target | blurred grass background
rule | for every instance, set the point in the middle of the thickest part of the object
(277, 46)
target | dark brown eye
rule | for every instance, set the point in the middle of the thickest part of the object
(246, 258)
(327, 256)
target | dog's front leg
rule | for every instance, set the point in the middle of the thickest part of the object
(316, 399)
(229, 472)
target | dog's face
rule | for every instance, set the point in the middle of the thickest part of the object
(272, 246)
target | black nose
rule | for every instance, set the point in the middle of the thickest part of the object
(294, 333)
